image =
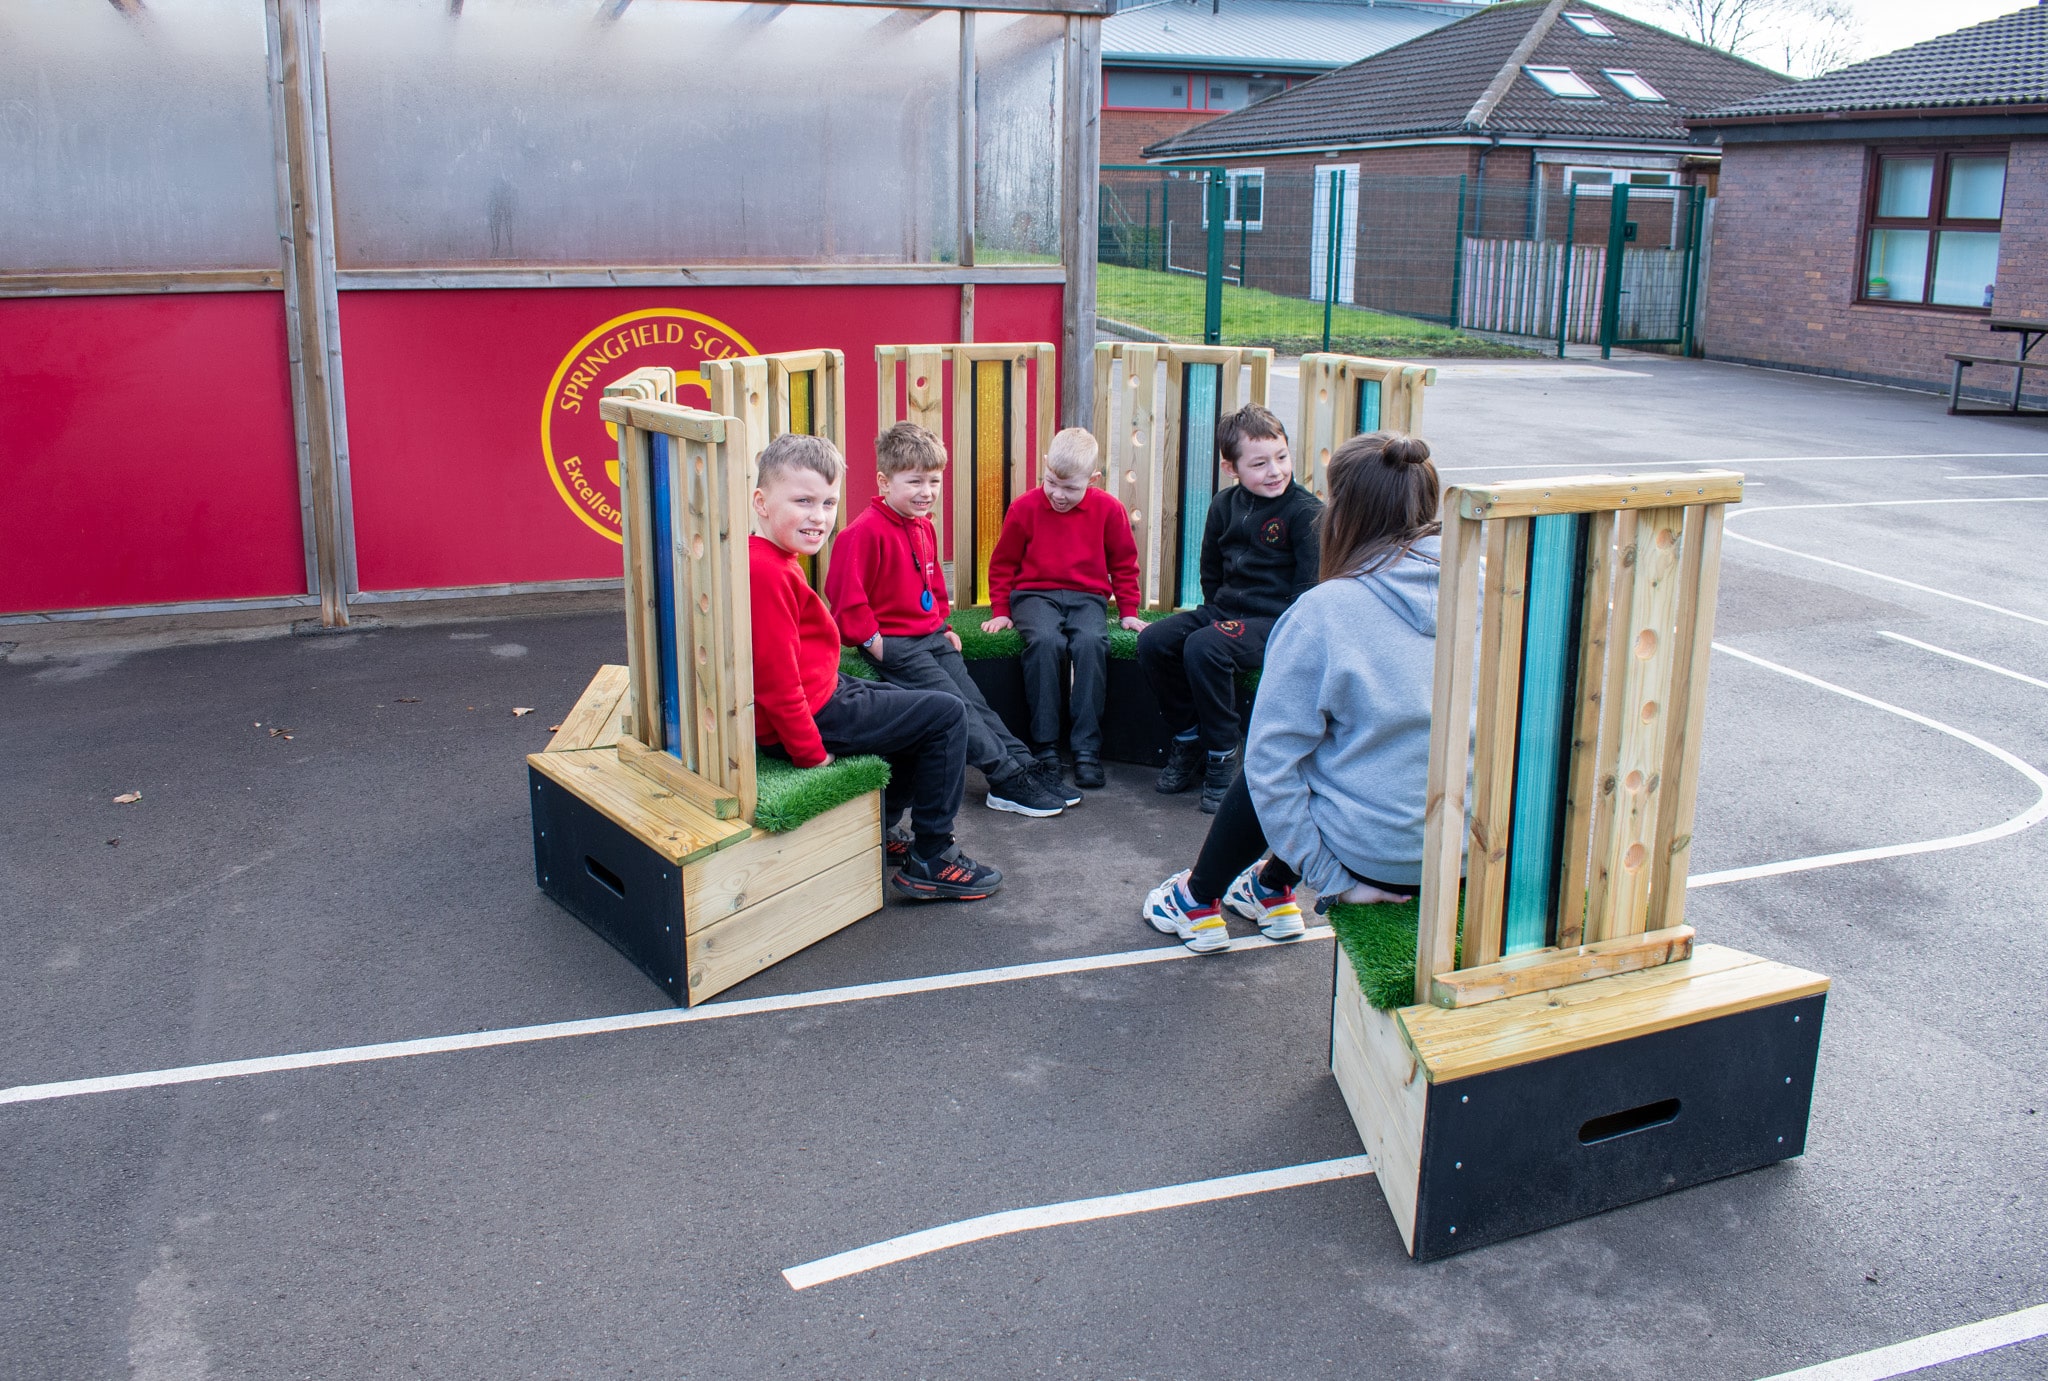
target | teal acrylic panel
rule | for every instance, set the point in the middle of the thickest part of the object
(1543, 740)
(661, 488)
(1199, 386)
(1368, 406)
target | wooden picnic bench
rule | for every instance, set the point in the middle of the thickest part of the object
(2030, 334)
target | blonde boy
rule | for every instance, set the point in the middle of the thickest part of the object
(1065, 549)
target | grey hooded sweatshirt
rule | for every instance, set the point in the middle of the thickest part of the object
(1338, 755)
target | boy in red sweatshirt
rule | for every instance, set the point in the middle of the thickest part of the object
(889, 596)
(1065, 548)
(806, 711)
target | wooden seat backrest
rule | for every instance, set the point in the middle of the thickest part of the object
(684, 492)
(1159, 455)
(1343, 396)
(1593, 631)
(802, 391)
(998, 409)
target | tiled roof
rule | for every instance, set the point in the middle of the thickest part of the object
(1428, 86)
(2002, 61)
(1288, 34)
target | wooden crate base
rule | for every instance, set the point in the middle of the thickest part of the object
(696, 913)
(1489, 1122)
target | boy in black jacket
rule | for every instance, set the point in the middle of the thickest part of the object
(1259, 551)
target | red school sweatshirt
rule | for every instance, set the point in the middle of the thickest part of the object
(882, 565)
(796, 653)
(1087, 548)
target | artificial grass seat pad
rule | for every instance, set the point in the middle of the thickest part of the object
(787, 796)
(1380, 942)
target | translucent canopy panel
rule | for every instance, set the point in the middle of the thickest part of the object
(1017, 137)
(135, 144)
(680, 132)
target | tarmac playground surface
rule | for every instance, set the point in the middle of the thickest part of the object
(623, 1198)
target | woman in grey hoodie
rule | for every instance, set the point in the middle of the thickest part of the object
(1338, 754)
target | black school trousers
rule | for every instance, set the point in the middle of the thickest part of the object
(1060, 627)
(1192, 661)
(922, 733)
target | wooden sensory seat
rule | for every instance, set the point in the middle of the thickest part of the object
(648, 815)
(1569, 1048)
(1343, 396)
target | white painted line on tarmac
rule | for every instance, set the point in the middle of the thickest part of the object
(2026, 819)
(1732, 461)
(1734, 513)
(1917, 1354)
(1996, 477)
(630, 1021)
(1072, 1211)
(1957, 656)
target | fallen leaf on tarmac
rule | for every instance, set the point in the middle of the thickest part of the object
(408, 700)
(554, 728)
(127, 798)
(113, 843)
(518, 710)
(284, 734)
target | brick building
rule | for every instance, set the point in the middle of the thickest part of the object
(1872, 219)
(1169, 65)
(1524, 100)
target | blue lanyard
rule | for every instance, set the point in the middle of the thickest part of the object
(924, 601)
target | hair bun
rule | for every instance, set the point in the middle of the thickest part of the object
(1403, 449)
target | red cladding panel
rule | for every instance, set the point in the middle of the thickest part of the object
(146, 452)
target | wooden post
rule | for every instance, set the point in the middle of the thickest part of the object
(1080, 170)
(1443, 820)
(1502, 607)
(1582, 794)
(1691, 650)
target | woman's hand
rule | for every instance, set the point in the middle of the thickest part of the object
(1133, 623)
(997, 624)
(953, 638)
(1365, 894)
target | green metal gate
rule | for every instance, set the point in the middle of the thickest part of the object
(1649, 293)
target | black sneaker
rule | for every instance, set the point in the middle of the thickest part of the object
(1023, 793)
(1046, 755)
(1217, 775)
(1088, 773)
(1049, 777)
(1183, 766)
(896, 847)
(952, 876)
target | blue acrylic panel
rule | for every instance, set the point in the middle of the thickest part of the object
(1368, 406)
(1543, 744)
(661, 488)
(1199, 384)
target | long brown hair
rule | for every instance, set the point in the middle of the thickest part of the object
(1384, 494)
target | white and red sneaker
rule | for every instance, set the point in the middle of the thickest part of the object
(1277, 913)
(1171, 911)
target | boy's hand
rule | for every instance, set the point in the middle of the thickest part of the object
(997, 624)
(1133, 623)
(873, 647)
(827, 762)
(953, 638)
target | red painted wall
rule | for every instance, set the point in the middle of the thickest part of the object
(475, 453)
(146, 452)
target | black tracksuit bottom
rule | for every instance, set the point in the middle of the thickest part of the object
(923, 734)
(1193, 660)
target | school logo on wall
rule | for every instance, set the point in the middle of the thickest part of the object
(581, 449)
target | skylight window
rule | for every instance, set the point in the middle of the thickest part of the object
(1562, 81)
(1632, 86)
(1588, 24)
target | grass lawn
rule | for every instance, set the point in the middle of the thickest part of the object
(1170, 305)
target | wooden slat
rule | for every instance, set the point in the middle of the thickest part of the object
(1045, 387)
(1016, 481)
(1105, 372)
(702, 616)
(1540, 970)
(833, 374)
(748, 941)
(1166, 498)
(595, 710)
(691, 424)
(1443, 821)
(960, 481)
(1456, 1043)
(888, 361)
(667, 772)
(651, 813)
(1601, 860)
(765, 865)
(1643, 721)
(1582, 781)
(1261, 365)
(1591, 493)
(1692, 647)
(1382, 1084)
(643, 689)
(736, 600)
(1502, 607)
(1318, 422)
(1140, 436)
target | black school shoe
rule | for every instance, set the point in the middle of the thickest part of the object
(952, 876)
(1049, 778)
(1217, 775)
(1024, 792)
(1183, 767)
(1088, 773)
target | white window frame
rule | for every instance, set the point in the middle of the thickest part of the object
(1635, 190)
(1545, 76)
(1622, 76)
(1232, 177)
(1588, 24)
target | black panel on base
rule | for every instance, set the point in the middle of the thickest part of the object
(1001, 683)
(1503, 1154)
(610, 881)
